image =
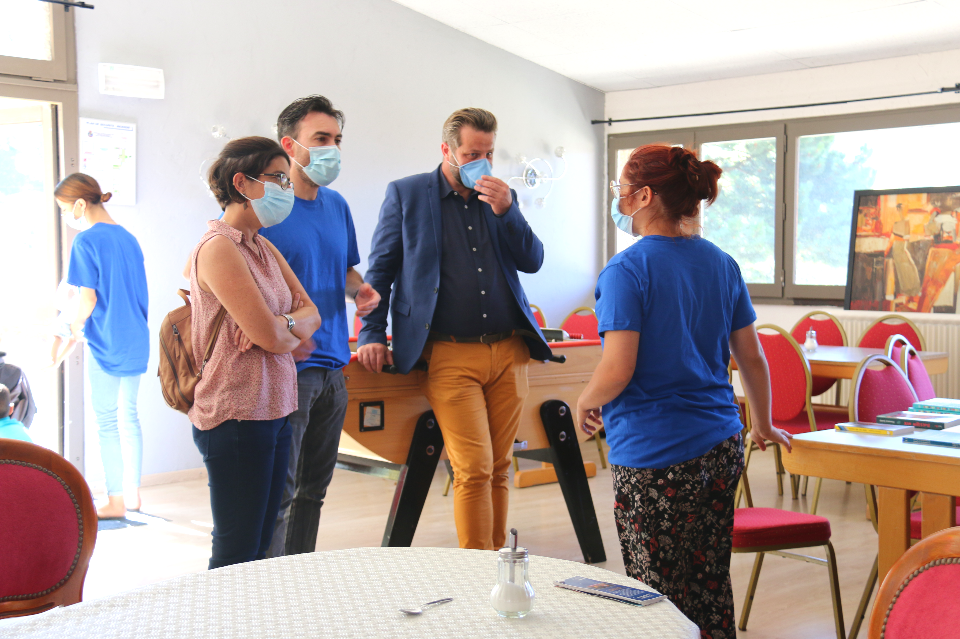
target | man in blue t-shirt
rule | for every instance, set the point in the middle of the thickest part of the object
(319, 242)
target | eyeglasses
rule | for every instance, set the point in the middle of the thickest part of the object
(615, 188)
(282, 178)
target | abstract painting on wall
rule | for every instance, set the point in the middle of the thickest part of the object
(904, 251)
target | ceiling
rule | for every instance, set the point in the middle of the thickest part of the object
(615, 45)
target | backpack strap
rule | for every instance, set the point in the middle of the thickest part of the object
(218, 323)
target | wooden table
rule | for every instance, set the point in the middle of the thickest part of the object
(840, 362)
(895, 468)
(390, 431)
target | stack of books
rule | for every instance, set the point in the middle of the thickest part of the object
(940, 405)
(920, 419)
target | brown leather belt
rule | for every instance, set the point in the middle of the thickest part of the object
(489, 338)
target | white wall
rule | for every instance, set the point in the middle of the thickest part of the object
(395, 73)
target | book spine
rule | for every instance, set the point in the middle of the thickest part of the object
(943, 410)
(930, 442)
(866, 431)
(896, 421)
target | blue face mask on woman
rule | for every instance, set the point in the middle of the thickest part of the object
(623, 222)
(324, 164)
(274, 206)
(473, 171)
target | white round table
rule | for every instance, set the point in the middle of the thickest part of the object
(357, 593)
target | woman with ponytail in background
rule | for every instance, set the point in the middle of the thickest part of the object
(106, 263)
(671, 309)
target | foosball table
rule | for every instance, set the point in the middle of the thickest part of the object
(390, 431)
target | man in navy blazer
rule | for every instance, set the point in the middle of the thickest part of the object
(448, 246)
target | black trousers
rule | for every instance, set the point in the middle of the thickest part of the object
(246, 465)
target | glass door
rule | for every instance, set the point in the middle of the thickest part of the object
(30, 256)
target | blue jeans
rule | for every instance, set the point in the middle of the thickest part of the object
(316, 427)
(246, 464)
(121, 449)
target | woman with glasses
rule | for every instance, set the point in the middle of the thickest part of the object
(249, 384)
(106, 264)
(671, 309)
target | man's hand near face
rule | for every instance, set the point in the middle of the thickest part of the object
(494, 192)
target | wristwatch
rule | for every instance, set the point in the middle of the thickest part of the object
(290, 322)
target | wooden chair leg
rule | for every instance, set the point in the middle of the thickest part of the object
(816, 496)
(603, 457)
(835, 591)
(865, 599)
(751, 591)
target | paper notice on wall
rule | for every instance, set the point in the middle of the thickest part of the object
(108, 153)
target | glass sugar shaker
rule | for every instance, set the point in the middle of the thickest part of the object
(513, 595)
(811, 342)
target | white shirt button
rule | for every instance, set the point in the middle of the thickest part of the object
(469, 228)
(484, 314)
(479, 270)
(465, 206)
(474, 249)
(483, 292)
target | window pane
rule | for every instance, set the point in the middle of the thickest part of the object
(832, 166)
(624, 240)
(743, 220)
(26, 29)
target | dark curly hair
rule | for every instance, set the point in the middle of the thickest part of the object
(250, 156)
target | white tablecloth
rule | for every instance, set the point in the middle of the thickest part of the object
(357, 593)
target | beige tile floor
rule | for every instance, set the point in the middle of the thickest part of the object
(793, 599)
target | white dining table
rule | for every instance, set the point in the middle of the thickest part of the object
(358, 593)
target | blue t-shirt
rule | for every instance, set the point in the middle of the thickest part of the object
(684, 296)
(108, 259)
(319, 242)
(12, 429)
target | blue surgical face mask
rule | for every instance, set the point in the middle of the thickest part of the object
(473, 171)
(623, 222)
(274, 206)
(324, 164)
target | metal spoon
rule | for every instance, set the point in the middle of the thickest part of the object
(417, 611)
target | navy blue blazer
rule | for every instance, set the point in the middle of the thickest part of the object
(405, 261)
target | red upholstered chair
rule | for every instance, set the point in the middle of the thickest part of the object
(583, 322)
(48, 527)
(773, 531)
(539, 316)
(920, 596)
(876, 391)
(791, 387)
(877, 333)
(894, 344)
(829, 333)
(879, 390)
(913, 366)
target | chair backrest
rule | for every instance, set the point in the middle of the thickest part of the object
(539, 316)
(894, 345)
(48, 529)
(920, 596)
(916, 371)
(790, 379)
(879, 391)
(582, 321)
(877, 333)
(829, 330)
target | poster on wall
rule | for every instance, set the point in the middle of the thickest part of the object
(904, 251)
(108, 153)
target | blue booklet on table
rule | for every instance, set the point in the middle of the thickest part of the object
(944, 438)
(608, 590)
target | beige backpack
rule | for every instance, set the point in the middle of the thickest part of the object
(177, 371)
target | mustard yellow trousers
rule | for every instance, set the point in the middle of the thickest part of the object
(476, 392)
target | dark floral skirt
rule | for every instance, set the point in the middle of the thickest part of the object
(676, 528)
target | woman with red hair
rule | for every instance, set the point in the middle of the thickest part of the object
(671, 309)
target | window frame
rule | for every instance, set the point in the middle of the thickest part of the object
(788, 133)
(62, 45)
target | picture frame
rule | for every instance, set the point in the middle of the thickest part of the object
(905, 251)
